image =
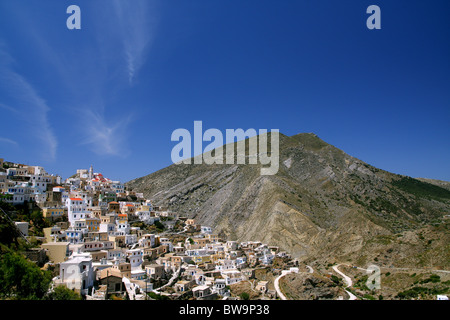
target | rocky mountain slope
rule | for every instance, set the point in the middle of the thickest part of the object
(305, 286)
(323, 204)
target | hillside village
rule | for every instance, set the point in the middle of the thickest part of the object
(104, 240)
(100, 240)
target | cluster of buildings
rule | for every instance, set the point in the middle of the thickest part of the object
(22, 183)
(211, 265)
(97, 251)
(202, 266)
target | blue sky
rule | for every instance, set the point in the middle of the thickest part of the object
(112, 93)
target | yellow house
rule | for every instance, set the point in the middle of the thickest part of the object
(213, 237)
(201, 241)
(53, 213)
(93, 224)
(144, 207)
(56, 251)
(119, 241)
(176, 261)
(122, 218)
(201, 259)
(120, 270)
(217, 256)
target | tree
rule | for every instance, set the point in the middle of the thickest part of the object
(8, 232)
(63, 293)
(21, 278)
(159, 225)
(38, 220)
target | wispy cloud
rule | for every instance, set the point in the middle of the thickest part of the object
(87, 74)
(31, 108)
(136, 26)
(6, 140)
(106, 137)
(8, 108)
(105, 130)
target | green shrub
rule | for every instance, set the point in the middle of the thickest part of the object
(63, 293)
(244, 296)
(157, 296)
(421, 189)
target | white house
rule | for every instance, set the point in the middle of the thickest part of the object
(232, 276)
(40, 197)
(219, 286)
(223, 265)
(266, 259)
(85, 196)
(117, 187)
(76, 209)
(138, 274)
(241, 261)
(74, 183)
(205, 229)
(130, 239)
(147, 240)
(109, 228)
(39, 182)
(74, 236)
(166, 241)
(11, 171)
(17, 193)
(40, 171)
(115, 254)
(77, 273)
(135, 257)
(143, 215)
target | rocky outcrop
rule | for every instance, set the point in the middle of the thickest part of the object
(306, 286)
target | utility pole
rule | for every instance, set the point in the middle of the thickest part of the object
(107, 283)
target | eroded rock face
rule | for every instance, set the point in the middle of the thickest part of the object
(305, 286)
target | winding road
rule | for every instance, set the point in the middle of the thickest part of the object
(277, 286)
(348, 281)
(283, 273)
